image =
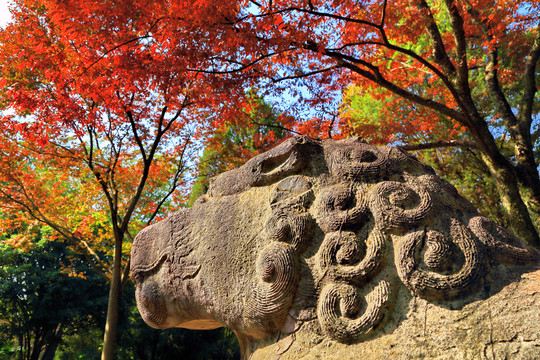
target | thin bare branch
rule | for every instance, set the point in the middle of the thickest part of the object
(146, 170)
(324, 14)
(108, 51)
(383, 14)
(180, 169)
(136, 135)
(239, 69)
(311, 73)
(438, 144)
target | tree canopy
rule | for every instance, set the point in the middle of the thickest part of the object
(109, 100)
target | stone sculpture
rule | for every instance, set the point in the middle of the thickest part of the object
(340, 249)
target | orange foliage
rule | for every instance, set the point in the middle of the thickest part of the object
(83, 66)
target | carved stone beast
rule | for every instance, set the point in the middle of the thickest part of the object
(340, 249)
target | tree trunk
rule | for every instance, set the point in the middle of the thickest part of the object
(36, 347)
(54, 341)
(527, 171)
(113, 306)
(507, 181)
(515, 209)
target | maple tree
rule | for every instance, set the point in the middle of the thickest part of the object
(101, 130)
(455, 63)
(452, 62)
(459, 61)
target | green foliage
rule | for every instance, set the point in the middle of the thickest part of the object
(256, 128)
(209, 166)
(45, 293)
(141, 342)
(468, 174)
(85, 344)
(52, 305)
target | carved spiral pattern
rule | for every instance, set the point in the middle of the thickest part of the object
(289, 230)
(397, 206)
(339, 209)
(499, 240)
(348, 260)
(436, 255)
(344, 256)
(432, 284)
(340, 306)
(277, 269)
(359, 161)
(438, 251)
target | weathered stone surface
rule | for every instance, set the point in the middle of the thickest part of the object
(341, 250)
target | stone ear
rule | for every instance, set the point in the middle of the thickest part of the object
(288, 158)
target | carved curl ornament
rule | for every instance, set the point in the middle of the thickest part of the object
(347, 222)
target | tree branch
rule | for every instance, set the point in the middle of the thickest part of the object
(305, 74)
(494, 88)
(35, 213)
(323, 14)
(379, 79)
(136, 134)
(438, 144)
(174, 185)
(456, 22)
(466, 118)
(439, 52)
(491, 75)
(239, 69)
(146, 170)
(383, 14)
(529, 81)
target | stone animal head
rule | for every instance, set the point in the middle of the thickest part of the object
(314, 234)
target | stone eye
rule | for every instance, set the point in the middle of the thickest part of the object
(360, 155)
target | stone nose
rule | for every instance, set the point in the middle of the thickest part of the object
(151, 304)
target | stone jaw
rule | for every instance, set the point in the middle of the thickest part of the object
(321, 241)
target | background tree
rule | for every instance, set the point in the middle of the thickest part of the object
(472, 56)
(101, 133)
(235, 135)
(46, 292)
(471, 64)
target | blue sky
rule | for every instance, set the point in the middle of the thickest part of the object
(4, 12)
